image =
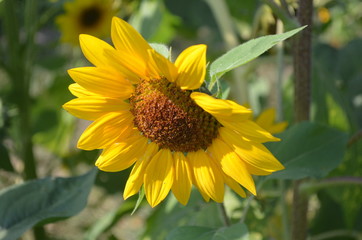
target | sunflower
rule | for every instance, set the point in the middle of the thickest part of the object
(85, 16)
(148, 114)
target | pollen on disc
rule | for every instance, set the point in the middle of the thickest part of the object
(169, 117)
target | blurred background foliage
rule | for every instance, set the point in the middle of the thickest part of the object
(34, 85)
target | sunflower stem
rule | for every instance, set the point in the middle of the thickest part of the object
(250, 199)
(246, 208)
(222, 16)
(282, 14)
(224, 215)
(280, 69)
(19, 69)
(341, 233)
(312, 187)
(302, 70)
(284, 208)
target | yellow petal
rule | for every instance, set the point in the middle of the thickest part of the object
(102, 81)
(266, 120)
(256, 171)
(203, 194)
(234, 186)
(221, 109)
(135, 179)
(231, 164)
(93, 107)
(163, 66)
(277, 127)
(133, 49)
(250, 130)
(79, 91)
(101, 54)
(207, 175)
(191, 64)
(122, 155)
(182, 182)
(127, 40)
(251, 152)
(105, 130)
(159, 177)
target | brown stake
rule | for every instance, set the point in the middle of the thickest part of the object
(302, 69)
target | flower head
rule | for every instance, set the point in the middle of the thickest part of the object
(85, 16)
(148, 114)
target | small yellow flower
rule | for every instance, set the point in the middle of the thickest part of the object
(148, 113)
(324, 15)
(85, 16)
(266, 120)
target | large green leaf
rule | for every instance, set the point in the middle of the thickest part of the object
(171, 214)
(234, 232)
(247, 52)
(24, 205)
(191, 232)
(308, 150)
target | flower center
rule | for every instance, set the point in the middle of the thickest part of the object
(90, 16)
(167, 115)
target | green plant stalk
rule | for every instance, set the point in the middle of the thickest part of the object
(338, 233)
(302, 70)
(280, 70)
(225, 24)
(31, 26)
(248, 201)
(17, 72)
(279, 108)
(289, 22)
(284, 207)
(312, 187)
(224, 215)
(355, 138)
(19, 68)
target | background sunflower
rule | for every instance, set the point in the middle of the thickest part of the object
(86, 16)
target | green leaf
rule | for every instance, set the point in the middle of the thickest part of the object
(24, 205)
(171, 214)
(247, 52)
(141, 196)
(308, 150)
(162, 49)
(191, 232)
(234, 232)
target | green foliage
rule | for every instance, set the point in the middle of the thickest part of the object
(24, 205)
(172, 215)
(141, 196)
(153, 21)
(308, 150)
(234, 232)
(247, 52)
(325, 214)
